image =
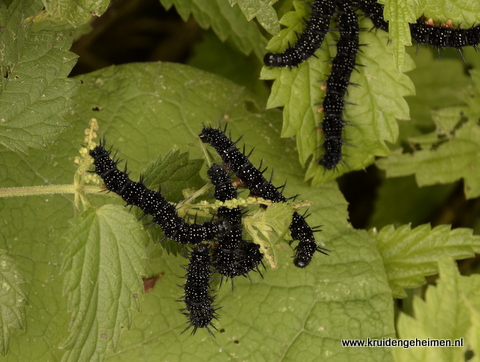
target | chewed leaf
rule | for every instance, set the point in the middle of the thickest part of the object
(268, 228)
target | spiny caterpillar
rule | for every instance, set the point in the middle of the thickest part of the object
(253, 179)
(234, 256)
(309, 40)
(153, 203)
(198, 298)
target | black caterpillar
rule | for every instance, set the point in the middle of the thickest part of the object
(153, 203)
(342, 67)
(309, 40)
(424, 33)
(253, 179)
(198, 298)
(234, 256)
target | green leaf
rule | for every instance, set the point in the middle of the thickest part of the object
(411, 255)
(226, 21)
(451, 155)
(34, 91)
(173, 172)
(73, 12)
(103, 265)
(268, 227)
(443, 315)
(399, 13)
(262, 10)
(12, 299)
(378, 99)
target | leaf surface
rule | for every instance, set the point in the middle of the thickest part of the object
(103, 265)
(12, 299)
(412, 254)
(35, 93)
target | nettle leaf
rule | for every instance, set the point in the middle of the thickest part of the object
(378, 100)
(35, 92)
(262, 10)
(226, 21)
(103, 267)
(73, 12)
(173, 172)
(12, 299)
(398, 14)
(447, 154)
(443, 315)
(411, 255)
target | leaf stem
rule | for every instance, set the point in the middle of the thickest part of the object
(45, 190)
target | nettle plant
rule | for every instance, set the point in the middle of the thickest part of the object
(84, 278)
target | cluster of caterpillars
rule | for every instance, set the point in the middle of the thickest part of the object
(227, 254)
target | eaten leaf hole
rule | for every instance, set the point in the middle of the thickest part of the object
(97, 109)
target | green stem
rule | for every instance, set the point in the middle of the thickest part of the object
(45, 190)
